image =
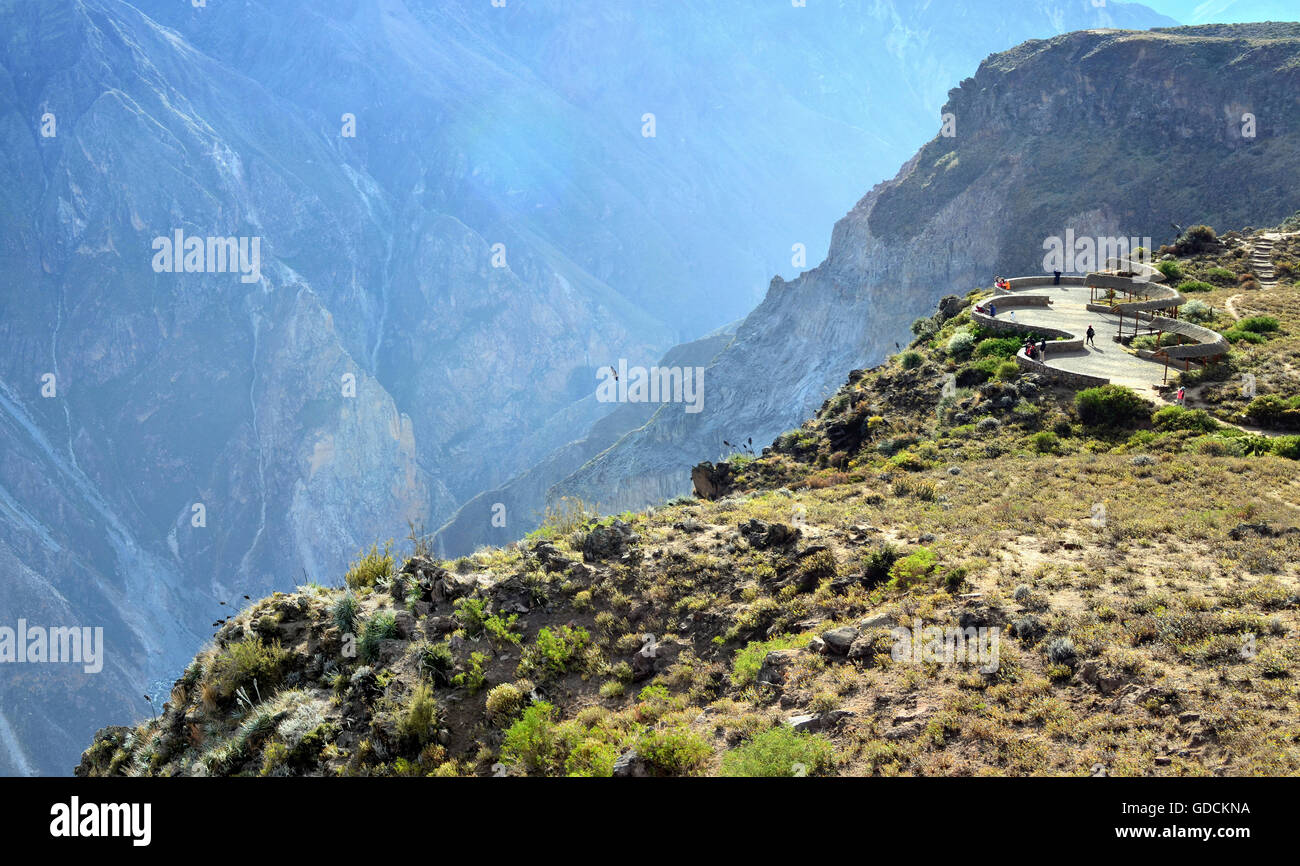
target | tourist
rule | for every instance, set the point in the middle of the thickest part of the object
(1091, 334)
(1042, 348)
(1182, 396)
(1056, 278)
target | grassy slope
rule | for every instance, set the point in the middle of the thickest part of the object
(1160, 600)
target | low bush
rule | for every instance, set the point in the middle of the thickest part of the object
(1111, 406)
(780, 751)
(1178, 418)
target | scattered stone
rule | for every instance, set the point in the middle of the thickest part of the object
(815, 722)
(405, 622)
(763, 535)
(550, 557)
(838, 640)
(1106, 682)
(904, 732)
(774, 664)
(630, 764)
(608, 542)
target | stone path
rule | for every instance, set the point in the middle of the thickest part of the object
(1261, 261)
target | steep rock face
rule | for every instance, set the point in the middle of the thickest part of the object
(1106, 133)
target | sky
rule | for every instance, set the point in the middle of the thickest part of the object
(1226, 11)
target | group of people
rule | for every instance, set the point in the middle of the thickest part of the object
(1036, 352)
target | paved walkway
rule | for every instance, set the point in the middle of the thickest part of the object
(1107, 359)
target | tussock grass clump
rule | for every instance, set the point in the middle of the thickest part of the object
(370, 568)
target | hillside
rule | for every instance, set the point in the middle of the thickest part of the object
(1138, 568)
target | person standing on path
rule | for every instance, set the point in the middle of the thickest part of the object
(1042, 349)
(1182, 396)
(1091, 334)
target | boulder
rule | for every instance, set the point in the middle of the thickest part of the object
(774, 664)
(762, 535)
(405, 622)
(630, 764)
(711, 482)
(838, 640)
(608, 542)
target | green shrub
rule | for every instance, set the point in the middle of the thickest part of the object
(877, 564)
(911, 360)
(553, 651)
(533, 741)
(370, 567)
(1045, 442)
(1193, 286)
(472, 677)
(780, 751)
(435, 661)
(470, 613)
(500, 630)
(1236, 335)
(245, 661)
(1007, 371)
(1287, 446)
(1172, 270)
(1178, 418)
(914, 568)
(1258, 324)
(998, 347)
(676, 751)
(419, 721)
(591, 758)
(1111, 406)
(1221, 276)
(380, 627)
